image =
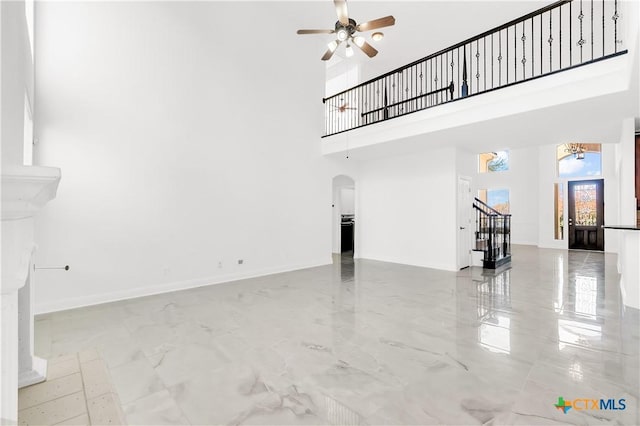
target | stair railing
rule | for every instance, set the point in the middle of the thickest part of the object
(493, 229)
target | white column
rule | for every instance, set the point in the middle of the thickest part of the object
(629, 258)
(25, 190)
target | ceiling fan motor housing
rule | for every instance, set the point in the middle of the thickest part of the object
(343, 32)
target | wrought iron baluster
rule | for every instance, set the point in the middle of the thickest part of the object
(524, 55)
(550, 43)
(465, 86)
(484, 60)
(570, 35)
(603, 28)
(452, 85)
(581, 41)
(541, 44)
(499, 58)
(477, 66)
(615, 18)
(592, 35)
(506, 42)
(515, 52)
(492, 60)
(532, 54)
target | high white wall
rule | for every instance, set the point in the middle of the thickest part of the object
(17, 79)
(404, 206)
(183, 150)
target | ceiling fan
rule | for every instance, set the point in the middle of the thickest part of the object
(344, 107)
(345, 29)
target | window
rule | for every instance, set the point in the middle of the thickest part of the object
(579, 160)
(489, 162)
(497, 199)
(559, 211)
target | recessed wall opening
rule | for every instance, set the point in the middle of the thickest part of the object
(344, 215)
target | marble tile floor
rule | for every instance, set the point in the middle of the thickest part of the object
(369, 342)
(78, 391)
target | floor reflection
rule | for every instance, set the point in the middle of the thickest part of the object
(493, 298)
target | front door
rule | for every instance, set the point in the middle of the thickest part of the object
(586, 214)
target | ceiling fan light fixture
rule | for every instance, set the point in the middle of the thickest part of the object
(359, 41)
(349, 51)
(377, 36)
(333, 45)
(342, 34)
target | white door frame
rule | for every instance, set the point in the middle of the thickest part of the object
(464, 229)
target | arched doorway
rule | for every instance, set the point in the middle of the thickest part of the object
(343, 215)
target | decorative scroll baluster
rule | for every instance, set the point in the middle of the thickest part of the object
(582, 40)
(524, 55)
(550, 44)
(615, 18)
(465, 86)
(477, 66)
(500, 58)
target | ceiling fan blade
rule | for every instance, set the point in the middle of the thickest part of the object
(333, 46)
(341, 11)
(367, 48)
(315, 31)
(327, 55)
(387, 21)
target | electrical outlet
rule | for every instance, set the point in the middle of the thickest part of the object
(220, 264)
(240, 261)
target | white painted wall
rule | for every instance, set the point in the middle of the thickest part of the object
(179, 149)
(522, 182)
(404, 206)
(17, 77)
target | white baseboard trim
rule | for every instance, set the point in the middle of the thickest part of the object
(442, 267)
(98, 299)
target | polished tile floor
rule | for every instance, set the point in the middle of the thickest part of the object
(369, 342)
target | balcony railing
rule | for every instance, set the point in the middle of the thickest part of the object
(558, 37)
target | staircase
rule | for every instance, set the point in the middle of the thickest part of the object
(493, 235)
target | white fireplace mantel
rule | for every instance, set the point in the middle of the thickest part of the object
(25, 190)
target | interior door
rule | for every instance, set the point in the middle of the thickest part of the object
(464, 221)
(586, 214)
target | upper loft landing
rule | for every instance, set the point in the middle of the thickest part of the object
(569, 53)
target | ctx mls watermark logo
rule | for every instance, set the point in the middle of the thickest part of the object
(580, 404)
